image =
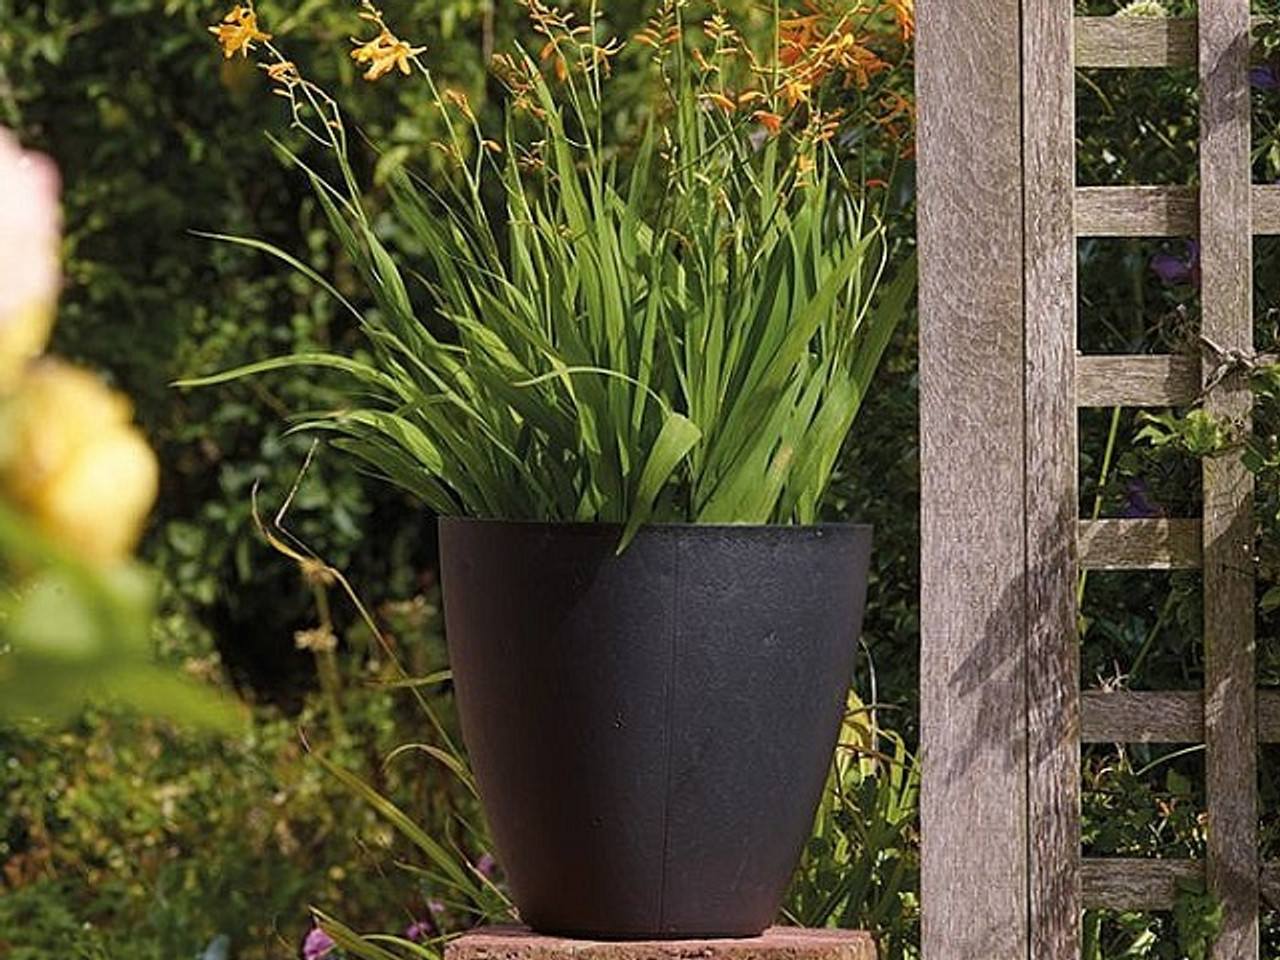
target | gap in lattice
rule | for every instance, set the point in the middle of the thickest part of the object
(1140, 480)
(1269, 791)
(1141, 630)
(1129, 933)
(1137, 126)
(1264, 84)
(1137, 295)
(1266, 294)
(1143, 800)
(1269, 940)
(1104, 8)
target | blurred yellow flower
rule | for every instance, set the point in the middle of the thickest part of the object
(23, 335)
(30, 236)
(72, 459)
(238, 31)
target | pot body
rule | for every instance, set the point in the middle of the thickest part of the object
(651, 731)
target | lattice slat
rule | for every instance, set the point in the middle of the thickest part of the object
(1151, 211)
(1141, 716)
(1161, 211)
(1129, 716)
(1154, 380)
(1156, 543)
(1122, 42)
(1266, 210)
(1122, 883)
(1116, 883)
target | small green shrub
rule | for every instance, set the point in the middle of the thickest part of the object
(147, 842)
(861, 867)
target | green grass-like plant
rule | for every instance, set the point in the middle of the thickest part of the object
(679, 331)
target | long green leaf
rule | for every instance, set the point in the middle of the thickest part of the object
(333, 361)
(677, 437)
(445, 860)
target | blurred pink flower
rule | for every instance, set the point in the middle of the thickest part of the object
(317, 945)
(30, 227)
(30, 232)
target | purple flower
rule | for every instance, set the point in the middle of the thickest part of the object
(1264, 77)
(317, 945)
(1172, 269)
(419, 931)
(486, 865)
(1138, 502)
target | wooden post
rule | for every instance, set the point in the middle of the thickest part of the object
(974, 883)
(1053, 663)
(1226, 264)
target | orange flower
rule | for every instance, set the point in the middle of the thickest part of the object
(904, 13)
(384, 53)
(800, 33)
(721, 101)
(896, 107)
(770, 121)
(238, 31)
(551, 51)
(795, 91)
(701, 61)
(285, 74)
(601, 58)
(460, 100)
(660, 32)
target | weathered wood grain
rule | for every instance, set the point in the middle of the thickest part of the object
(1053, 663)
(1146, 211)
(1177, 716)
(1137, 380)
(1265, 219)
(1155, 543)
(1131, 884)
(1162, 211)
(1226, 260)
(1269, 719)
(974, 883)
(1135, 42)
(1129, 716)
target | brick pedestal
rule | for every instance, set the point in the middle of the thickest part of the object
(776, 943)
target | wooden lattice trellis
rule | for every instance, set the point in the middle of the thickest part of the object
(1003, 716)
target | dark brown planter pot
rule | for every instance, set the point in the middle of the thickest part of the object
(651, 732)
